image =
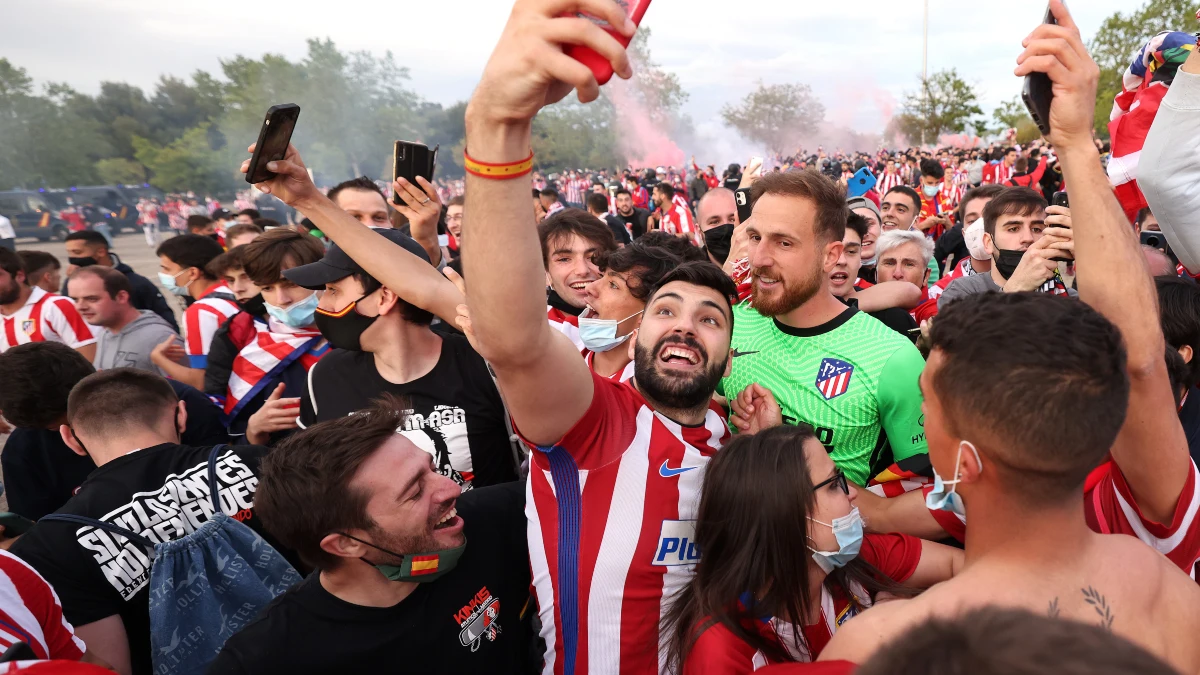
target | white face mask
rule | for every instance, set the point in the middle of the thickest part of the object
(973, 237)
(600, 335)
(931, 190)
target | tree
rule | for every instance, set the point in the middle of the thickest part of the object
(776, 115)
(1012, 114)
(945, 103)
(188, 163)
(1119, 38)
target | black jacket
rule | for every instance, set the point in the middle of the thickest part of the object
(951, 241)
(618, 228)
(145, 293)
(636, 221)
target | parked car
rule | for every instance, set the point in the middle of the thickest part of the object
(119, 210)
(32, 215)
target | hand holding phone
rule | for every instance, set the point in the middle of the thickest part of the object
(273, 140)
(599, 65)
(411, 159)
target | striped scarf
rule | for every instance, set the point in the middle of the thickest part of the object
(261, 361)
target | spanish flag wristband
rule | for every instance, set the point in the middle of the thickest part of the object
(497, 171)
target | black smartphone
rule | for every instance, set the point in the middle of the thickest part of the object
(14, 525)
(1154, 239)
(273, 139)
(1038, 92)
(19, 651)
(410, 160)
(1060, 199)
(742, 197)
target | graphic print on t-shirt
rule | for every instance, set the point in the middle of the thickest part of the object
(478, 620)
(442, 432)
(178, 508)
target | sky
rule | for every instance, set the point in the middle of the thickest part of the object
(859, 56)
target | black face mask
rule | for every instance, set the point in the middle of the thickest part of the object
(718, 240)
(344, 329)
(82, 262)
(1007, 261)
(254, 306)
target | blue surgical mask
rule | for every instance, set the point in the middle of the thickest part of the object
(296, 315)
(168, 282)
(600, 335)
(849, 533)
(931, 190)
(940, 500)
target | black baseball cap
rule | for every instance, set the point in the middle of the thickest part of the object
(222, 214)
(337, 265)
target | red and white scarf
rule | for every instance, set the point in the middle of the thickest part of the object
(274, 348)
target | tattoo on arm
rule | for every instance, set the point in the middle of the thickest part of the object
(1052, 612)
(1098, 603)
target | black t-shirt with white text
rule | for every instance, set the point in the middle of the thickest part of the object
(160, 492)
(475, 619)
(456, 413)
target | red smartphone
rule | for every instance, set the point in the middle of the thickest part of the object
(599, 65)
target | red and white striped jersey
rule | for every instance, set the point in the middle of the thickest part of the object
(45, 317)
(574, 188)
(719, 652)
(31, 613)
(624, 375)
(202, 319)
(1110, 508)
(611, 510)
(887, 181)
(678, 220)
(567, 324)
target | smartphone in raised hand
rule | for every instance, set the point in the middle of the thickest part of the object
(599, 65)
(1038, 91)
(411, 159)
(273, 140)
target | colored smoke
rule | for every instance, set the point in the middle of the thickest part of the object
(643, 141)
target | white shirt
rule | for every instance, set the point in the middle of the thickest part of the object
(6, 229)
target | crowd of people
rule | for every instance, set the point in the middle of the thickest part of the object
(656, 421)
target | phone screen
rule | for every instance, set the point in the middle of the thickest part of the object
(273, 141)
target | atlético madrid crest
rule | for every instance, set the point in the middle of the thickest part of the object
(833, 378)
(27, 326)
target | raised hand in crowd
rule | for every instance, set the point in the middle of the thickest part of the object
(277, 414)
(422, 206)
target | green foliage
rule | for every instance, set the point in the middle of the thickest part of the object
(945, 103)
(1119, 38)
(1012, 114)
(776, 115)
(116, 170)
(187, 163)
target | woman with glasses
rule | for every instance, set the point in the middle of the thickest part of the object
(783, 558)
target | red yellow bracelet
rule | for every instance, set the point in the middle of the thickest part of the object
(497, 171)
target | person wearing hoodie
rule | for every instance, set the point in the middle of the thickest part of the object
(103, 297)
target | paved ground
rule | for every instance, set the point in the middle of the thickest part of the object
(130, 247)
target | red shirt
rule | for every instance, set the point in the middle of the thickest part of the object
(719, 652)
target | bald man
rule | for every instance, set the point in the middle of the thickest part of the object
(717, 214)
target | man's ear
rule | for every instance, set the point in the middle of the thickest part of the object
(729, 364)
(68, 437)
(388, 301)
(632, 348)
(342, 546)
(988, 244)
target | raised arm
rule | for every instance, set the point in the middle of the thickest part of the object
(1170, 164)
(407, 275)
(1151, 449)
(546, 384)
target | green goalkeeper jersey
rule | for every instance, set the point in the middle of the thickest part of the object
(853, 379)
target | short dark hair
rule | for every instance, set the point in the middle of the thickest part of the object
(361, 183)
(265, 257)
(858, 224)
(198, 222)
(38, 377)
(622, 191)
(828, 197)
(457, 200)
(683, 248)
(266, 224)
(114, 401)
(645, 265)
(234, 231)
(1008, 150)
(190, 250)
(932, 167)
(549, 192)
(1020, 201)
(597, 202)
(114, 280)
(36, 263)
(1142, 214)
(316, 466)
(1071, 402)
(702, 273)
(1005, 641)
(1021, 165)
(986, 191)
(1179, 311)
(907, 192)
(567, 222)
(666, 189)
(233, 259)
(11, 262)
(253, 213)
(89, 236)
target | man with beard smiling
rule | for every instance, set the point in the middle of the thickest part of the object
(828, 365)
(615, 476)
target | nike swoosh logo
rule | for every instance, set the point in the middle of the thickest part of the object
(736, 353)
(667, 472)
